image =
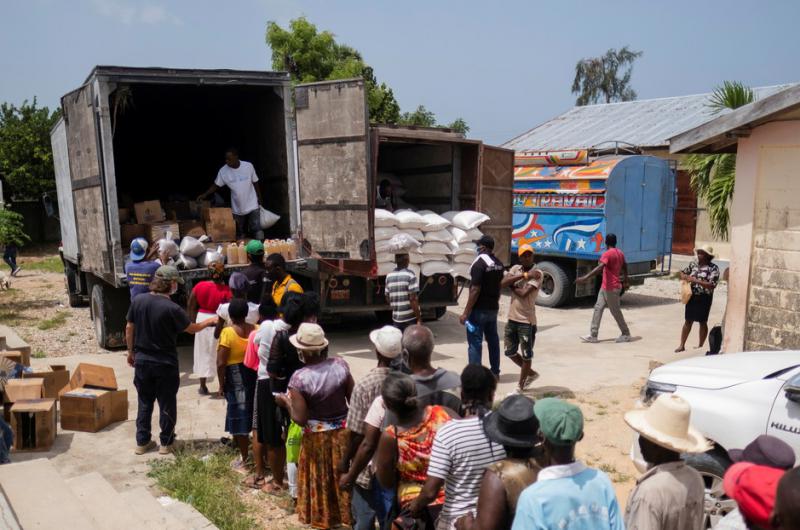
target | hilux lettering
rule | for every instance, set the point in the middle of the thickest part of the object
(785, 428)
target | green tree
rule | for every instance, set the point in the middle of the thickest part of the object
(12, 228)
(713, 176)
(26, 158)
(459, 125)
(311, 55)
(605, 78)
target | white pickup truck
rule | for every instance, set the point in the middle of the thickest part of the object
(734, 398)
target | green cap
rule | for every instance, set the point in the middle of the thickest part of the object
(561, 423)
(255, 247)
(168, 272)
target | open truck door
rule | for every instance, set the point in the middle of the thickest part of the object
(333, 167)
(496, 197)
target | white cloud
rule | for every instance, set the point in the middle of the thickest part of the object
(130, 13)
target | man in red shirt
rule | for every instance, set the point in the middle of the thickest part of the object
(615, 274)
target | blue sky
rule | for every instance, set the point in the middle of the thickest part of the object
(503, 66)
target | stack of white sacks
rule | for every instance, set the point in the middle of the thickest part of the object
(436, 244)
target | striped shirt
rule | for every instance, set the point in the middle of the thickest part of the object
(400, 284)
(461, 452)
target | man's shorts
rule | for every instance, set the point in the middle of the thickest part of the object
(520, 336)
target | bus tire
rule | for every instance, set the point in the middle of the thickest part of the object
(556, 288)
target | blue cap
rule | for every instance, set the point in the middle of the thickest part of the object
(138, 249)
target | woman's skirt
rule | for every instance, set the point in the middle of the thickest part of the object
(698, 307)
(240, 384)
(320, 502)
(205, 350)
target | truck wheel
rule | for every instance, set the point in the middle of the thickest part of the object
(712, 467)
(109, 307)
(555, 289)
(73, 291)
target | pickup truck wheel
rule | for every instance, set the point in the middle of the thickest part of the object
(555, 289)
(712, 467)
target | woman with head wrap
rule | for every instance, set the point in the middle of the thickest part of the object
(205, 299)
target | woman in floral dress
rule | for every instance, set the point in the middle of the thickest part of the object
(703, 275)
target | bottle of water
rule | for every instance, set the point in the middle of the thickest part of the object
(470, 326)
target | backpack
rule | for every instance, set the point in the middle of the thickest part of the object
(282, 362)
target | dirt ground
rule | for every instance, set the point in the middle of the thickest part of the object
(603, 379)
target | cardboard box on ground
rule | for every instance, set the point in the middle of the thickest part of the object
(34, 424)
(55, 377)
(91, 400)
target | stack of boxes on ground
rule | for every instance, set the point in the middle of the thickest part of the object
(436, 244)
(194, 233)
(89, 400)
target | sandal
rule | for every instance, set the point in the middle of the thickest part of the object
(272, 488)
(254, 482)
(239, 466)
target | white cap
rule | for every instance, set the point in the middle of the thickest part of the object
(388, 340)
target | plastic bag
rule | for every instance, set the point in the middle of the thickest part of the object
(461, 270)
(435, 247)
(415, 233)
(417, 258)
(686, 291)
(464, 236)
(466, 248)
(193, 247)
(384, 218)
(167, 245)
(185, 262)
(294, 437)
(398, 243)
(466, 259)
(469, 219)
(429, 268)
(268, 219)
(385, 267)
(434, 222)
(384, 232)
(409, 219)
(443, 236)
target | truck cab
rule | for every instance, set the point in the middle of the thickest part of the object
(566, 202)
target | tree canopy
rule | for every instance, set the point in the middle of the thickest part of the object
(606, 78)
(26, 158)
(311, 55)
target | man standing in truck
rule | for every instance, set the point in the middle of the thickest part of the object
(139, 271)
(615, 275)
(480, 314)
(240, 176)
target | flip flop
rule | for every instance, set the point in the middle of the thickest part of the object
(254, 482)
(272, 488)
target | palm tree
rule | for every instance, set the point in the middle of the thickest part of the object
(713, 176)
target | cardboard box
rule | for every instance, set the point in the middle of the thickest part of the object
(125, 215)
(91, 376)
(221, 231)
(128, 233)
(55, 376)
(217, 214)
(148, 212)
(158, 231)
(191, 228)
(85, 409)
(16, 356)
(119, 405)
(22, 389)
(34, 424)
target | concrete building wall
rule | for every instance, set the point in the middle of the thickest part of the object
(764, 284)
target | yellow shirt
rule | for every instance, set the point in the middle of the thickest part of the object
(236, 344)
(280, 289)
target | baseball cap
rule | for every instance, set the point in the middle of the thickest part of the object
(561, 423)
(168, 272)
(254, 247)
(754, 488)
(523, 249)
(766, 450)
(388, 340)
(138, 249)
(485, 241)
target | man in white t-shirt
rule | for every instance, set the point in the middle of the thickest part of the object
(240, 176)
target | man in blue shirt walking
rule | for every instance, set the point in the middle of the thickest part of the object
(567, 494)
(139, 271)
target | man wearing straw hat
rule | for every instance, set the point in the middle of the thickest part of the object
(670, 496)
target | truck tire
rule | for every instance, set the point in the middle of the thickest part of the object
(439, 312)
(712, 466)
(555, 289)
(109, 307)
(73, 291)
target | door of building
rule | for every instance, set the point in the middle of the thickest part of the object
(685, 227)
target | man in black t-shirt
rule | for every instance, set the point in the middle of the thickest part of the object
(154, 323)
(256, 272)
(480, 314)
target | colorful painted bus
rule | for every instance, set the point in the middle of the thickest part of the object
(565, 203)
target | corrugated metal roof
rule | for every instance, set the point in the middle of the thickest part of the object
(644, 123)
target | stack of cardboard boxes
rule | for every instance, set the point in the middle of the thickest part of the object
(92, 400)
(153, 221)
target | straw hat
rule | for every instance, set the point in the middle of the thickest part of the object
(666, 423)
(309, 337)
(708, 249)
